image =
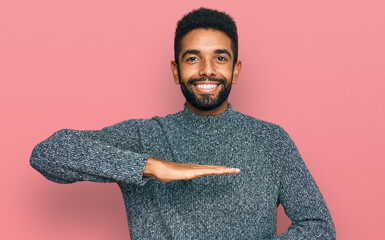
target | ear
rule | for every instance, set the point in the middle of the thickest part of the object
(175, 72)
(236, 70)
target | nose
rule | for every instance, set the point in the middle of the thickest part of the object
(207, 69)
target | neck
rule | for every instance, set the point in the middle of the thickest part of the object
(220, 109)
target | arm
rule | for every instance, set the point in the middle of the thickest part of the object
(113, 154)
(109, 155)
(301, 198)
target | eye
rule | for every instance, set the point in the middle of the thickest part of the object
(191, 59)
(221, 58)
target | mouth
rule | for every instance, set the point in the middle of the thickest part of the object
(206, 87)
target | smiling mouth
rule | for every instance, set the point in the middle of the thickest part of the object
(206, 87)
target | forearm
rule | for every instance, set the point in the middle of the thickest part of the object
(310, 216)
(69, 156)
(305, 206)
(316, 229)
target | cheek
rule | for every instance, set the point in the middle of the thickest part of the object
(187, 72)
(226, 72)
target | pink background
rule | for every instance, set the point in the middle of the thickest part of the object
(314, 67)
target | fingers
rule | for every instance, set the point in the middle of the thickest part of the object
(214, 170)
(218, 168)
(210, 169)
(224, 170)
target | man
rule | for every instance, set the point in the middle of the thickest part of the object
(162, 164)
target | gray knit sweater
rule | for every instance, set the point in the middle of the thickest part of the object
(234, 206)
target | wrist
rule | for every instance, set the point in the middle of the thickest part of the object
(149, 169)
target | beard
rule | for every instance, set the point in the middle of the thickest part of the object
(207, 101)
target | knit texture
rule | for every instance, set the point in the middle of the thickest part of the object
(233, 206)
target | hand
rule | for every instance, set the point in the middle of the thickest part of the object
(167, 171)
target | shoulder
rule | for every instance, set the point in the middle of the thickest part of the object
(124, 126)
(141, 123)
(268, 135)
(259, 126)
(163, 121)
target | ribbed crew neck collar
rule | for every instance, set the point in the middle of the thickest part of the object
(204, 124)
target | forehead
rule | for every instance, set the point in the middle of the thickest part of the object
(206, 40)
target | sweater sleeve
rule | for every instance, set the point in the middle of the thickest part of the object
(301, 198)
(113, 154)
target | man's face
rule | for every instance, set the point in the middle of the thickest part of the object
(206, 70)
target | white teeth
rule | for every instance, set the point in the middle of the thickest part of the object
(206, 86)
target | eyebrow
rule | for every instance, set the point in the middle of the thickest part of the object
(194, 51)
(223, 51)
(190, 52)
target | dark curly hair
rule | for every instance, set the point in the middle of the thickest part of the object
(206, 18)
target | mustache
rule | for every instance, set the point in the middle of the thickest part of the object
(194, 80)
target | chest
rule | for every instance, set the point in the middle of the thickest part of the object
(253, 189)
